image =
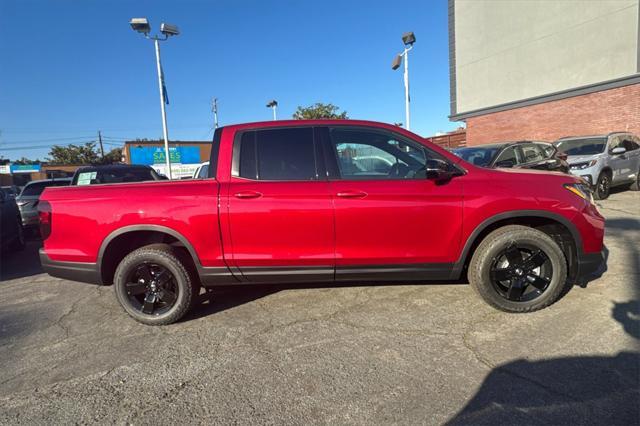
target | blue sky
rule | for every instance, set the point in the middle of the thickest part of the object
(71, 68)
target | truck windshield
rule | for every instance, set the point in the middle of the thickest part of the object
(588, 146)
(478, 156)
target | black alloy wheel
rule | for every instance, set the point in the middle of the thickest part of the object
(151, 289)
(521, 273)
(517, 269)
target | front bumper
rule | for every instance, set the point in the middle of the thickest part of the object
(74, 271)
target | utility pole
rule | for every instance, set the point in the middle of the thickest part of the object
(214, 108)
(101, 147)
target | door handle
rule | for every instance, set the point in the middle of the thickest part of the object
(248, 194)
(351, 194)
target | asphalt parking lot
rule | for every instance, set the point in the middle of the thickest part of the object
(408, 354)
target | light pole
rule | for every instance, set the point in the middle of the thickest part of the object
(141, 25)
(408, 39)
(273, 104)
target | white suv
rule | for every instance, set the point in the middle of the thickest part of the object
(604, 161)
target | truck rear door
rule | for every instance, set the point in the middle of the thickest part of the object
(280, 215)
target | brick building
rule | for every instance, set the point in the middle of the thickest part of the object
(542, 70)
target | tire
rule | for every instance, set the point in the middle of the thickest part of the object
(603, 186)
(167, 290)
(19, 243)
(635, 186)
(537, 289)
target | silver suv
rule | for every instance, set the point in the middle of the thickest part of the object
(604, 161)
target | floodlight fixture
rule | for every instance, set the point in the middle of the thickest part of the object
(169, 29)
(408, 38)
(140, 25)
(396, 62)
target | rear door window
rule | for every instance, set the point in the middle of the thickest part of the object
(278, 154)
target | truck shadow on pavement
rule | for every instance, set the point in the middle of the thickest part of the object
(571, 390)
(20, 264)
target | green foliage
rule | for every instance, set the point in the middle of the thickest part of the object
(113, 156)
(319, 111)
(82, 154)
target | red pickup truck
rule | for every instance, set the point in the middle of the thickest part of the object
(325, 201)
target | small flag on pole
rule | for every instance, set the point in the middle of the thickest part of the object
(165, 95)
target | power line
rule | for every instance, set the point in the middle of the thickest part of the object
(17, 148)
(47, 140)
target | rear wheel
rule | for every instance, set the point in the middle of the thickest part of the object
(154, 286)
(603, 186)
(518, 269)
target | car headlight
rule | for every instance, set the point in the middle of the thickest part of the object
(582, 190)
(582, 166)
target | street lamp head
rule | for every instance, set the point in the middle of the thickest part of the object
(408, 38)
(140, 25)
(272, 103)
(169, 29)
(396, 62)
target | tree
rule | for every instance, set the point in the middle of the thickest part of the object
(319, 111)
(113, 156)
(74, 154)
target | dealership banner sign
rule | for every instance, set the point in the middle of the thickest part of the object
(24, 168)
(150, 155)
(178, 171)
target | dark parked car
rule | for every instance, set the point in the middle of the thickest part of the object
(522, 154)
(11, 233)
(116, 173)
(11, 190)
(29, 197)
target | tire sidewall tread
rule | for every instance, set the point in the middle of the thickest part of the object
(496, 241)
(166, 256)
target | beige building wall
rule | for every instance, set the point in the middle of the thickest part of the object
(511, 50)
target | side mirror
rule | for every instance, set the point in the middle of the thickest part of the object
(506, 163)
(438, 170)
(618, 150)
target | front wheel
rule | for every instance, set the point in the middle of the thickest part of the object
(518, 269)
(603, 186)
(635, 186)
(154, 286)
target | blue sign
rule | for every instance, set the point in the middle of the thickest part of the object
(150, 155)
(24, 168)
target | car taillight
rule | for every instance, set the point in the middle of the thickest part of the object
(44, 214)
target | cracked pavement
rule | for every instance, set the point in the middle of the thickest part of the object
(407, 354)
